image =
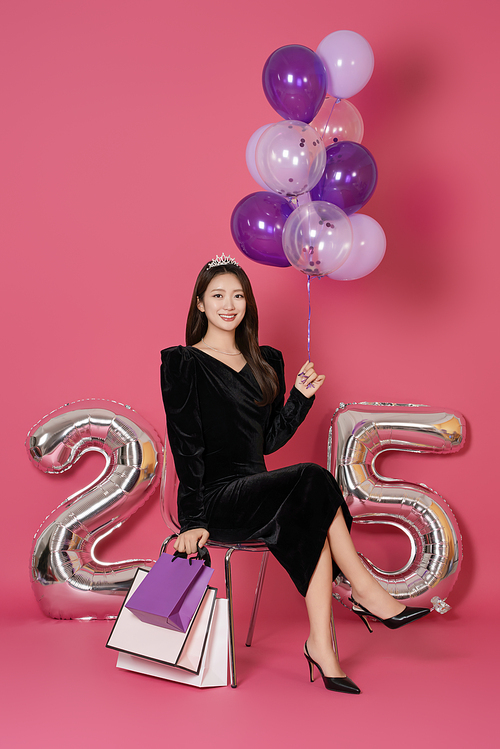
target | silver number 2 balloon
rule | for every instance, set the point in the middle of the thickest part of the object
(68, 580)
(359, 433)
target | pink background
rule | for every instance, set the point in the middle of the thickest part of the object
(123, 134)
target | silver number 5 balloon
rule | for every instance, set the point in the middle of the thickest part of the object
(68, 580)
(359, 433)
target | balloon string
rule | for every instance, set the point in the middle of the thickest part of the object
(309, 319)
(329, 116)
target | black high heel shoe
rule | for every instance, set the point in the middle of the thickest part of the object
(334, 684)
(409, 614)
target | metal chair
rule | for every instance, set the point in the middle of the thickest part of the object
(168, 503)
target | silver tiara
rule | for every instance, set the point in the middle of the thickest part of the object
(222, 260)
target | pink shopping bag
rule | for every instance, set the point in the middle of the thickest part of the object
(182, 650)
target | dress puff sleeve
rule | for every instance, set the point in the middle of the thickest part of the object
(185, 434)
(286, 417)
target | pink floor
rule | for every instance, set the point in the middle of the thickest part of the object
(431, 684)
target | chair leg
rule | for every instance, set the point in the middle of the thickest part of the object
(229, 596)
(258, 593)
(334, 635)
(166, 543)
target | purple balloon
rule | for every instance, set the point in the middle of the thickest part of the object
(294, 81)
(349, 178)
(257, 227)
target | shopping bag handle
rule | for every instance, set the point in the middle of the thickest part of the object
(202, 553)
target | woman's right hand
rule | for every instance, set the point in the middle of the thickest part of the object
(189, 541)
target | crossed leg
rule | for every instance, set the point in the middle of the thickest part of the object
(366, 590)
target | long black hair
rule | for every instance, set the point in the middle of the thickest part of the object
(246, 334)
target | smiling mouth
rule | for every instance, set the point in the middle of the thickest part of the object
(228, 318)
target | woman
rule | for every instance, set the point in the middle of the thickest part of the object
(224, 401)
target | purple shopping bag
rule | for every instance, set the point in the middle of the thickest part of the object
(171, 592)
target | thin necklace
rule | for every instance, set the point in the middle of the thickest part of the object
(226, 353)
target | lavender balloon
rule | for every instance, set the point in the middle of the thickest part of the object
(257, 226)
(250, 155)
(367, 251)
(294, 81)
(348, 60)
(350, 177)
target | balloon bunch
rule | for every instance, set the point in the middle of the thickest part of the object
(312, 166)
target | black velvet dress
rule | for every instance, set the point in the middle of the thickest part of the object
(219, 436)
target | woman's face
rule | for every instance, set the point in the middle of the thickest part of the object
(223, 302)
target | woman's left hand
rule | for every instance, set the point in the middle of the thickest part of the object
(308, 382)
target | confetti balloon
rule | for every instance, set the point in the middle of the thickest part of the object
(317, 238)
(290, 157)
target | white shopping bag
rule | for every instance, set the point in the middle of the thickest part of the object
(213, 669)
(180, 649)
